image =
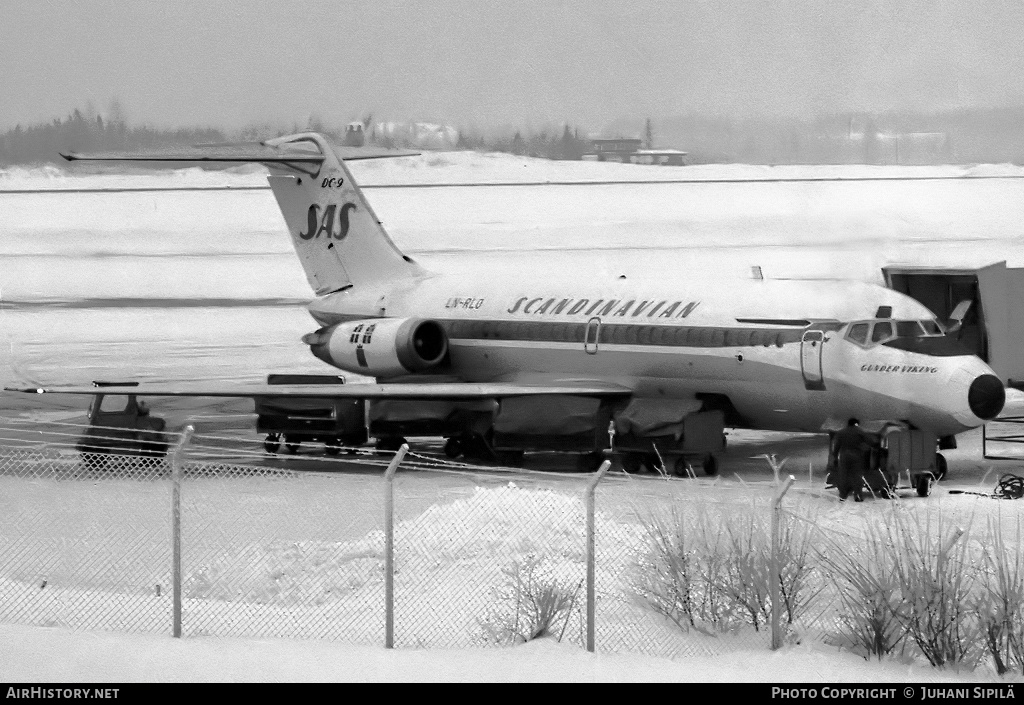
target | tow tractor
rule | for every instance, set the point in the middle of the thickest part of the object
(121, 425)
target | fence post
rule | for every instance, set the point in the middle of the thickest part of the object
(389, 547)
(591, 597)
(775, 577)
(176, 461)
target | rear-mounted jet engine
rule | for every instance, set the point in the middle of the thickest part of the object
(381, 347)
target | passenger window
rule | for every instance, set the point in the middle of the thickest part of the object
(859, 333)
(882, 331)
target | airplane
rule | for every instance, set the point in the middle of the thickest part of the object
(785, 355)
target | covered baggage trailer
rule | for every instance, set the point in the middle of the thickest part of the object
(465, 425)
(898, 450)
(336, 423)
(672, 435)
(562, 423)
(675, 434)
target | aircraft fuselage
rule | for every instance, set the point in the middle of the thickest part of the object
(781, 352)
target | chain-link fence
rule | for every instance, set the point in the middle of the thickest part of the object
(941, 580)
(84, 537)
(684, 569)
(497, 566)
(239, 542)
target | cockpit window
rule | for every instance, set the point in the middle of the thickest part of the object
(882, 331)
(870, 333)
(909, 329)
(859, 333)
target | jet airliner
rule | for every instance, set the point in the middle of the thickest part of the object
(784, 355)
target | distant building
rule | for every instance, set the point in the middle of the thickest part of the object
(663, 157)
(617, 150)
(627, 150)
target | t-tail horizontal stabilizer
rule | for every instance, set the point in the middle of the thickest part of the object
(337, 236)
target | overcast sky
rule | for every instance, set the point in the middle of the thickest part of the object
(493, 62)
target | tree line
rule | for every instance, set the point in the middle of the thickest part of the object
(88, 131)
(993, 135)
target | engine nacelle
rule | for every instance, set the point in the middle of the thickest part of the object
(381, 347)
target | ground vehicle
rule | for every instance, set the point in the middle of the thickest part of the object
(679, 448)
(336, 423)
(465, 424)
(120, 424)
(637, 433)
(900, 449)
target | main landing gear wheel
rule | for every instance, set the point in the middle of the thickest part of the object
(453, 447)
(940, 466)
(632, 463)
(684, 467)
(292, 446)
(272, 443)
(924, 485)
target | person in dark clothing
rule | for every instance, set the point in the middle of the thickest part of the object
(850, 457)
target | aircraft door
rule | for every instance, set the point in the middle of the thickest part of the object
(592, 335)
(810, 359)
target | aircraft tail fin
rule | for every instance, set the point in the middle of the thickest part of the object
(337, 236)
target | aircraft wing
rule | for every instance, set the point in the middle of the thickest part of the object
(440, 391)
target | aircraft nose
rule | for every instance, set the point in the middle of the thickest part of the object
(986, 397)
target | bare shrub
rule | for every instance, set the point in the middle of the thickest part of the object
(935, 575)
(864, 576)
(679, 575)
(799, 585)
(999, 602)
(745, 571)
(669, 580)
(533, 603)
(711, 572)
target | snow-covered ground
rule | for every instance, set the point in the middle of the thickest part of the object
(204, 284)
(252, 590)
(38, 655)
(189, 244)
